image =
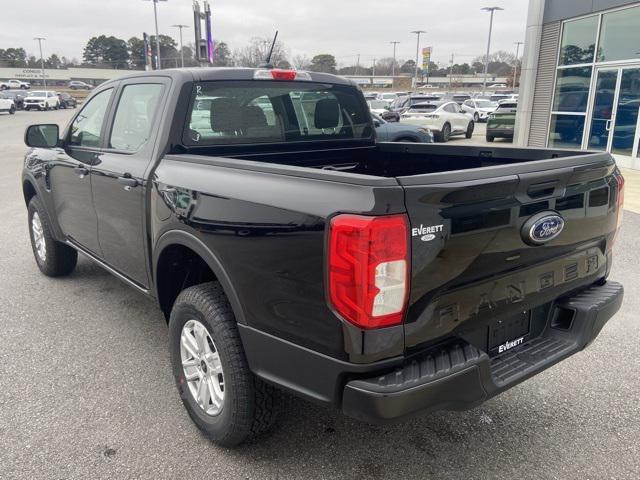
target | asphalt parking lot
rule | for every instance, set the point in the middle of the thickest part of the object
(87, 391)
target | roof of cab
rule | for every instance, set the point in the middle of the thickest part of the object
(224, 73)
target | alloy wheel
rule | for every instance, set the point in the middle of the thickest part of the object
(202, 367)
(38, 237)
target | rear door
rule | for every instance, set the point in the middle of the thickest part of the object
(118, 179)
(472, 257)
(69, 177)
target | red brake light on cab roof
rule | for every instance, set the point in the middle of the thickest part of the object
(280, 74)
(368, 268)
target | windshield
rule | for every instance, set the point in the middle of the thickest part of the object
(486, 104)
(423, 108)
(389, 96)
(377, 104)
(37, 94)
(247, 112)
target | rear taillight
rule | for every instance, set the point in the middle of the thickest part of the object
(368, 268)
(620, 198)
(279, 74)
(619, 207)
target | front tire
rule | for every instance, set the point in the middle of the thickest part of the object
(476, 117)
(490, 138)
(232, 405)
(54, 259)
(12, 110)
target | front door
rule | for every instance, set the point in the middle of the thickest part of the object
(118, 179)
(68, 175)
(615, 111)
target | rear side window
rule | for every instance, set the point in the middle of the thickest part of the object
(246, 112)
(86, 127)
(134, 116)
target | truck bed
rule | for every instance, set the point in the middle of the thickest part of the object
(394, 160)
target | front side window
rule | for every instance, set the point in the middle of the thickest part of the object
(86, 127)
(578, 41)
(246, 112)
(134, 116)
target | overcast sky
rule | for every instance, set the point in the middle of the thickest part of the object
(339, 27)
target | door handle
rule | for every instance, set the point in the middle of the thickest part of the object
(128, 181)
(607, 126)
(81, 171)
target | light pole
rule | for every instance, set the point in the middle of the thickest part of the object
(358, 65)
(486, 58)
(393, 65)
(415, 75)
(515, 67)
(44, 80)
(155, 16)
(180, 27)
(373, 70)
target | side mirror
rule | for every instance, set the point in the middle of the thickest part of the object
(376, 123)
(42, 136)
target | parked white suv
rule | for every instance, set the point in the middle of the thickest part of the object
(7, 105)
(443, 119)
(479, 108)
(41, 100)
(14, 84)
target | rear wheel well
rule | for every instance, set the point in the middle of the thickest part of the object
(178, 268)
(29, 191)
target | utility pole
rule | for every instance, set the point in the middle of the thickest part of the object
(515, 67)
(44, 80)
(373, 70)
(358, 65)
(180, 27)
(393, 65)
(155, 16)
(486, 58)
(451, 70)
(415, 75)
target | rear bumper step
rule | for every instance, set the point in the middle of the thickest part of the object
(458, 376)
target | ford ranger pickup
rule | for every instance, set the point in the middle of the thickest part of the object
(288, 250)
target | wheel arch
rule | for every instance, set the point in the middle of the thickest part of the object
(28, 190)
(166, 292)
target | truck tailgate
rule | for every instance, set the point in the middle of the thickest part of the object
(474, 261)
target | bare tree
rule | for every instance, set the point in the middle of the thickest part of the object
(300, 62)
(384, 66)
(256, 51)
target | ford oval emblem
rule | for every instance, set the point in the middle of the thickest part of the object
(542, 228)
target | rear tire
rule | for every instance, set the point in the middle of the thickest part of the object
(469, 132)
(490, 138)
(444, 135)
(54, 259)
(248, 405)
(12, 110)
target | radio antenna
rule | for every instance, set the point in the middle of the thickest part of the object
(267, 61)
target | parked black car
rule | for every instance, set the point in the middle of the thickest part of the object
(66, 100)
(17, 96)
(286, 248)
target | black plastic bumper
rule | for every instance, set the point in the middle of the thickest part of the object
(458, 376)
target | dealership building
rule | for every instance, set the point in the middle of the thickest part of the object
(580, 84)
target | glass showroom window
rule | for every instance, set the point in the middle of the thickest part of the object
(620, 35)
(571, 94)
(578, 41)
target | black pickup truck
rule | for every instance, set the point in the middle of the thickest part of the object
(288, 249)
